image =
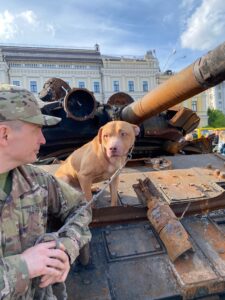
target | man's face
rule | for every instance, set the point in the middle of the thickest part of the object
(24, 143)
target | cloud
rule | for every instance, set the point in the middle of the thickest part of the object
(23, 27)
(8, 28)
(29, 17)
(206, 26)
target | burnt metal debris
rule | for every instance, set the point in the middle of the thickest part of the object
(170, 230)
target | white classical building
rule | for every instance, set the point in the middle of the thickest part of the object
(30, 67)
(216, 97)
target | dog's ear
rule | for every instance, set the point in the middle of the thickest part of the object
(100, 135)
(136, 130)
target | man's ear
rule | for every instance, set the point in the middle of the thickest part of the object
(4, 130)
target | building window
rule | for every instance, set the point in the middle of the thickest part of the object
(96, 87)
(130, 86)
(16, 82)
(33, 86)
(194, 105)
(145, 86)
(116, 86)
(81, 84)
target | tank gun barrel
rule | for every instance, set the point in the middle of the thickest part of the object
(207, 71)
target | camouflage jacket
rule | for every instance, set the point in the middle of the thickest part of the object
(35, 197)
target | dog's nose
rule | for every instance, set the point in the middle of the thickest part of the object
(113, 148)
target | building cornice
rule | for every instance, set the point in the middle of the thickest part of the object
(15, 53)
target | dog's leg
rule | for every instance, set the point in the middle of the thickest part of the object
(113, 190)
(85, 184)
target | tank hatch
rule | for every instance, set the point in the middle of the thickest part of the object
(194, 184)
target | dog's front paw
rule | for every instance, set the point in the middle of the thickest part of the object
(95, 189)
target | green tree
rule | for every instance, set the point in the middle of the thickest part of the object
(215, 118)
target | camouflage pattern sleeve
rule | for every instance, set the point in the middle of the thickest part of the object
(64, 203)
(14, 277)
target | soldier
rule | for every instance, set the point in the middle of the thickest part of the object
(29, 198)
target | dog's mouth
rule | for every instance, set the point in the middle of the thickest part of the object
(114, 153)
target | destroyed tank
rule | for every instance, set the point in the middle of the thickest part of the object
(166, 238)
(82, 116)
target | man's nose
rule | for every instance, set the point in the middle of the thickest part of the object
(42, 138)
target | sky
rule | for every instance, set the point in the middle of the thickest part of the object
(177, 31)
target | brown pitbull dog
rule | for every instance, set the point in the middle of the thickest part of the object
(100, 158)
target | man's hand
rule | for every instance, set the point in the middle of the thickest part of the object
(49, 279)
(46, 261)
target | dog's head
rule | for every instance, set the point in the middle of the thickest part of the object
(117, 137)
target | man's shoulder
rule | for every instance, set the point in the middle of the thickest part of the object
(34, 172)
(31, 168)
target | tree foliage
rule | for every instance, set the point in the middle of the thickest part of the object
(215, 118)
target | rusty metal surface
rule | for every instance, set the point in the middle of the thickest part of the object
(138, 170)
(215, 247)
(122, 266)
(80, 104)
(207, 71)
(159, 163)
(128, 258)
(208, 237)
(185, 119)
(179, 87)
(52, 90)
(118, 214)
(176, 239)
(165, 222)
(120, 99)
(129, 262)
(117, 250)
(187, 185)
(206, 196)
(214, 160)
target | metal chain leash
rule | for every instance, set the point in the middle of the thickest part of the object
(47, 293)
(96, 196)
(55, 235)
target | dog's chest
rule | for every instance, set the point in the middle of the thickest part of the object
(106, 173)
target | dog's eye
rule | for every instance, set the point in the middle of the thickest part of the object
(106, 136)
(123, 133)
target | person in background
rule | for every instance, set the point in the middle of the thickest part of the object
(29, 199)
(221, 142)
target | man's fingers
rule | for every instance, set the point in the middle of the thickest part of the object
(47, 280)
(43, 256)
(47, 245)
(59, 254)
(56, 264)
